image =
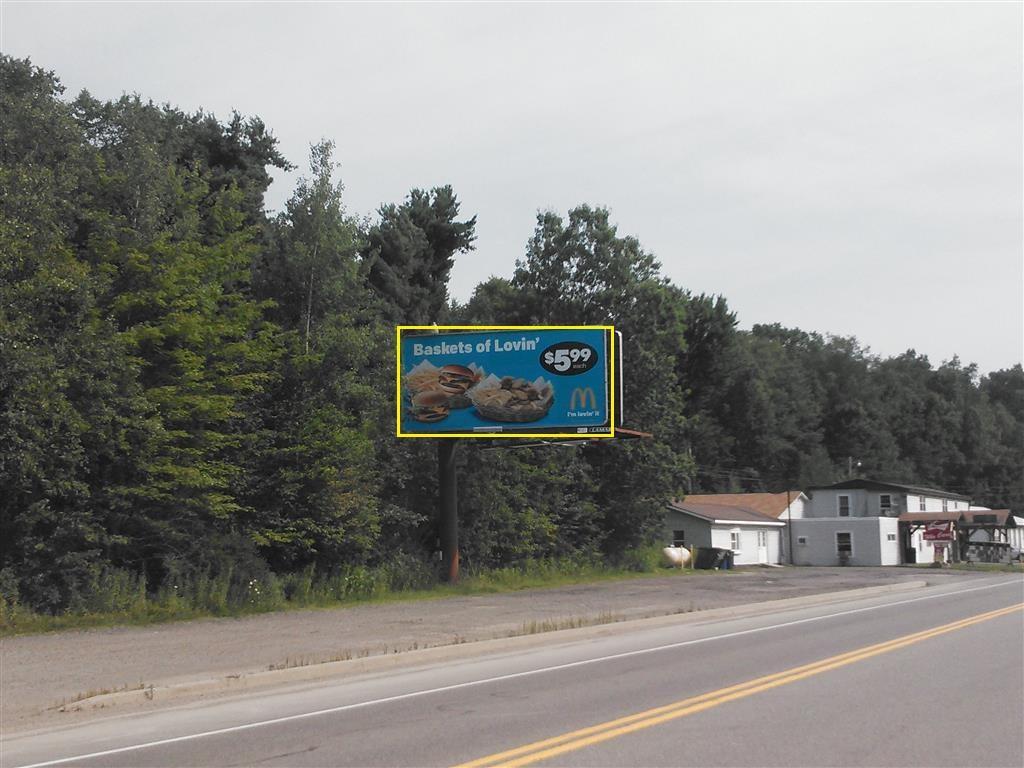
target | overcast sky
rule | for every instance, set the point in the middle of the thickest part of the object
(853, 169)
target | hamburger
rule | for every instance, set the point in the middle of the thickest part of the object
(456, 379)
(430, 406)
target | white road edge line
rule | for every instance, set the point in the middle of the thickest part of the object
(498, 678)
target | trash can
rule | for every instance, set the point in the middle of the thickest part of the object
(723, 559)
(713, 557)
(706, 558)
(728, 562)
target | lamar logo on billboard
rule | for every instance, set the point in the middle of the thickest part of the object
(583, 402)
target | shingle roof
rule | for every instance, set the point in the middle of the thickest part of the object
(771, 504)
(723, 513)
(883, 486)
(999, 518)
(929, 517)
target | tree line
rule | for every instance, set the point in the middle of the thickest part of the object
(192, 386)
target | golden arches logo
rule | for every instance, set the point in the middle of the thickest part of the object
(581, 396)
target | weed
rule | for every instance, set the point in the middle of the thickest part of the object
(119, 598)
(572, 622)
(1000, 567)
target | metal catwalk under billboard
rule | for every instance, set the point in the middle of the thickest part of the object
(506, 381)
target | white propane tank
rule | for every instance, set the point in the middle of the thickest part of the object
(677, 557)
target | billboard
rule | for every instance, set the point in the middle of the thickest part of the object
(505, 381)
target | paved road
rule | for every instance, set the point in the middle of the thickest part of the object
(43, 671)
(929, 677)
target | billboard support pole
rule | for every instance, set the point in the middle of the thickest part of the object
(448, 491)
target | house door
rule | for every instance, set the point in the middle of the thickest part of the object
(762, 547)
(907, 544)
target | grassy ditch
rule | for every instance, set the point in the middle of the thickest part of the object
(119, 598)
(997, 567)
(1017, 567)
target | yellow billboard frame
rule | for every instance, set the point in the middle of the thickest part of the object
(492, 435)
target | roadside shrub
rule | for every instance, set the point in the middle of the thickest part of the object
(112, 590)
(298, 587)
(9, 607)
(405, 572)
(249, 586)
(644, 559)
(8, 587)
(351, 583)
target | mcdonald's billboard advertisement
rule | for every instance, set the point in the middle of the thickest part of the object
(506, 381)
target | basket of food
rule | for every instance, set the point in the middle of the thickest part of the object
(510, 399)
(454, 381)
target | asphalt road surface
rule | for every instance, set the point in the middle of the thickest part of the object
(930, 677)
(41, 672)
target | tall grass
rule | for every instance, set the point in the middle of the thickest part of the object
(119, 597)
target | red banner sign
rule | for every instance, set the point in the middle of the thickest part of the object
(938, 531)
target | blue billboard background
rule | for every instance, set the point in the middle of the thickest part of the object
(569, 365)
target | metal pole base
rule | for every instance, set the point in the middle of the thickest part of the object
(448, 507)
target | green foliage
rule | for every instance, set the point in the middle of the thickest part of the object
(643, 559)
(410, 253)
(314, 487)
(582, 271)
(69, 411)
(196, 410)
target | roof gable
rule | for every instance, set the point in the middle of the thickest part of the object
(723, 513)
(876, 485)
(771, 504)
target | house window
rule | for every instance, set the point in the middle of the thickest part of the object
(762, 538)
(844, 543)
(801, 539)
(890, 537)
(945, 505)
(844, 506)
(734, 541)
(679, 538)
(885, 503)
(921, 506)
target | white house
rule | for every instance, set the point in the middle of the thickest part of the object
(784, 506)
(753, 537)
(857, 522)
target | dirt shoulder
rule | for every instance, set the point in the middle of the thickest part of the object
(40, 673)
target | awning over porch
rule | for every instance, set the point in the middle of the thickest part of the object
(995, 523)
(930, 517)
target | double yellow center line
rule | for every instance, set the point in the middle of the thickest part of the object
(595, 734)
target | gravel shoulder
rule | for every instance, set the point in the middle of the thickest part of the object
(40, 673)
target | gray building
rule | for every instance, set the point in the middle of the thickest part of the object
(870, 498)
(862, 498)
(846, 541)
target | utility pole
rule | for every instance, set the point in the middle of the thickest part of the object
(448, 508)
(789, 524)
